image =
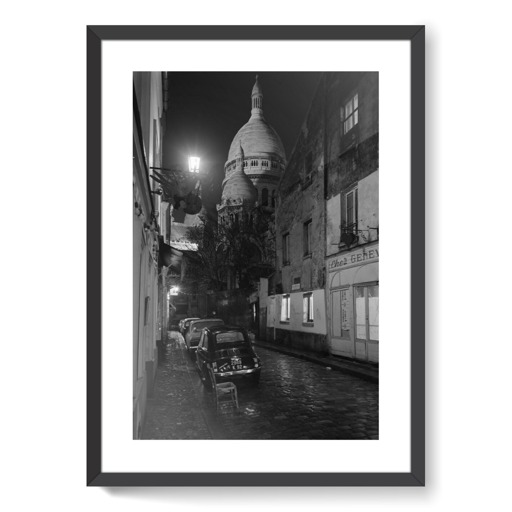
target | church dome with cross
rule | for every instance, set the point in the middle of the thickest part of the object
(263, 160)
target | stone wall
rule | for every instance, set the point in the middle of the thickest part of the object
(301, 340)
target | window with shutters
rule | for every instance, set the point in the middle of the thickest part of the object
(351, 211)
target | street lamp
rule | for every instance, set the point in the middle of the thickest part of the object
(193, 164)
(178, 187)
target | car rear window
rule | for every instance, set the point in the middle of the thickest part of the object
(206, 323)
(229, 337)
(239, 351)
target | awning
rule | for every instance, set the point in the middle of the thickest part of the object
(367, 273)
(363, 274)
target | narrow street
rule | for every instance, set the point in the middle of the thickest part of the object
(296, 399)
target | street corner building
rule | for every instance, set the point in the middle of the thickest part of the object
(324, 293)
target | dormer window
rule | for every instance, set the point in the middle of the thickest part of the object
(254, 163)
(245, 163)
(264, 163)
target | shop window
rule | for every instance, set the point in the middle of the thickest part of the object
(286, 249)
(350, 114)
(307, 308)
(285, 308)
(307, 237)
(373, 312)
(367, 312)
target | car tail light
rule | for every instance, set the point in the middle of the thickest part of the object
(256, 362)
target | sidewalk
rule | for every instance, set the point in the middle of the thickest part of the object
(366, 371)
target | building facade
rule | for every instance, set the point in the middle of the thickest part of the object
(324, 295)
(149, 294)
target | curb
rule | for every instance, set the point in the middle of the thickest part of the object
(370, 374)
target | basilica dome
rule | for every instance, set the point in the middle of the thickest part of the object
(239, 186)
(253, 172)
(259, 138)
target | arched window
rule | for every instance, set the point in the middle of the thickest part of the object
(264, 197)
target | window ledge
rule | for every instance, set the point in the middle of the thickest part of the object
(308, 324)
(306, 256)
(284, 321)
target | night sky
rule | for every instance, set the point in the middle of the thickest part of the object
(207, 109)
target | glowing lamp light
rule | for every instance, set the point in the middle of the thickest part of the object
(174, 290)
(193, 164)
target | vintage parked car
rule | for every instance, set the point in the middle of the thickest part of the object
(193, 332)
(226, 353)
(185, 323)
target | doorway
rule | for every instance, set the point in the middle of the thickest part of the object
(366, 310)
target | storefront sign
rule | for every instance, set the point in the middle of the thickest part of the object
(351, 259)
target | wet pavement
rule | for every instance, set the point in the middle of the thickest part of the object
(296, 399)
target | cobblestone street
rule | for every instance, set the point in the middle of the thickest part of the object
(296, 399)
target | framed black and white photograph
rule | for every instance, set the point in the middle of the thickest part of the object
(256, 255)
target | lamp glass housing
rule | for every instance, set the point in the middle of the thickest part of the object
(193, 164)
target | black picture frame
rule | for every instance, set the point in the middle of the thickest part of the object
(95, 36)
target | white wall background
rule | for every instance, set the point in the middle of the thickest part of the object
(43, 87)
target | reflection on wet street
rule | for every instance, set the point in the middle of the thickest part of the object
(295, 399)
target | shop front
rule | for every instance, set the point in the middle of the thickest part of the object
(353, 303)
